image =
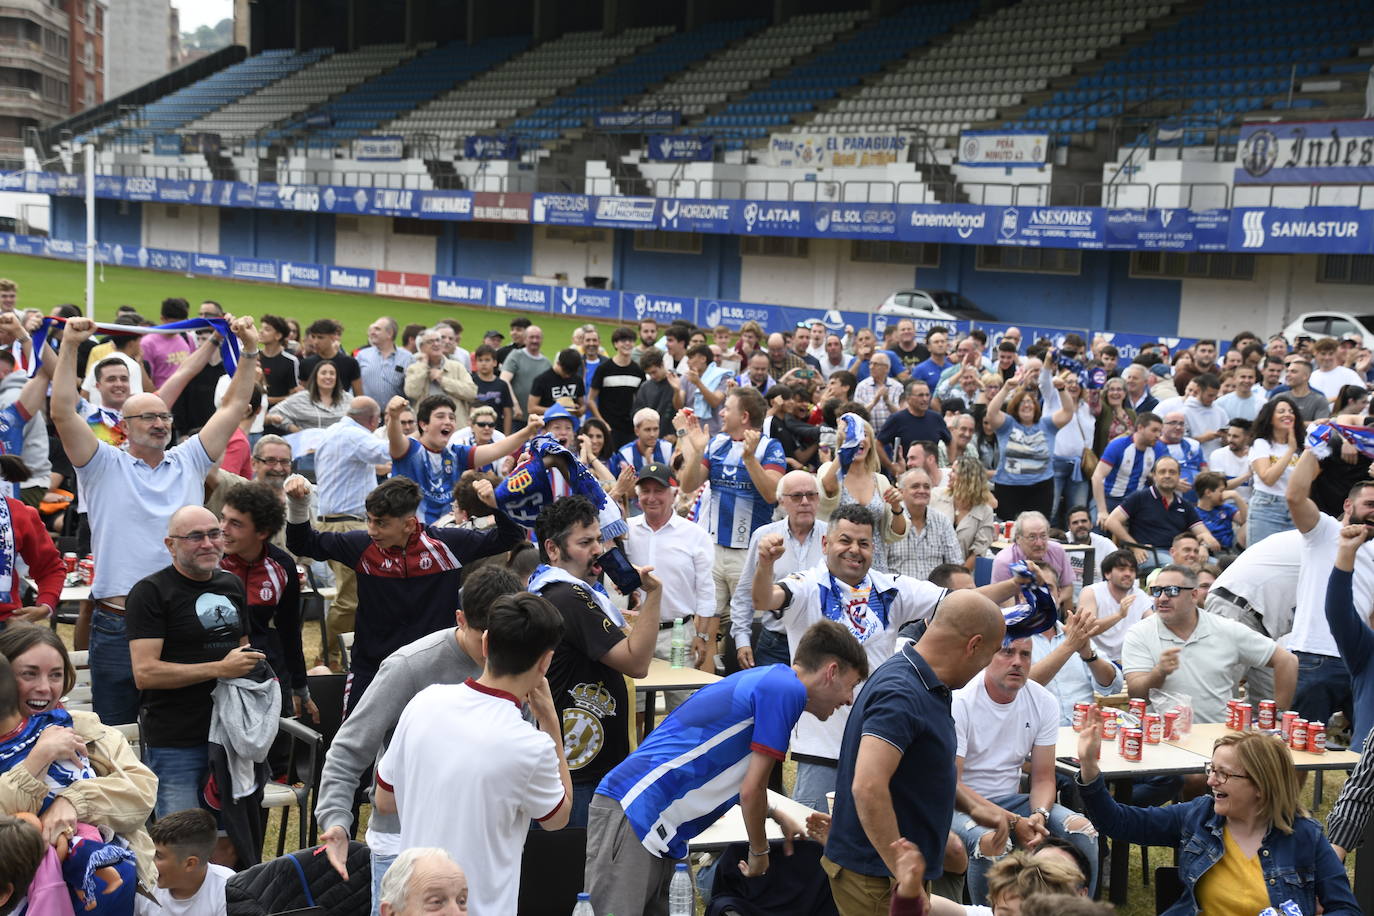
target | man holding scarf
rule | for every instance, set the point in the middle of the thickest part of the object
(130, 494)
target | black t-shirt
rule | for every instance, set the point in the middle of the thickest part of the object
(197, 622)
(617, 386)
(659, 396)
(496, 395)
(347, 367)
(549, 386)
(505, 351)
(197, 402)
(592, 700)
(909, 358)
(280, 373)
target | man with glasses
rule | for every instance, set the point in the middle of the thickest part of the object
(1186, 450)
(187, 626)
(1030, 541)
(130, 494)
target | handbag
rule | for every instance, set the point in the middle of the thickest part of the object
(1088, 460)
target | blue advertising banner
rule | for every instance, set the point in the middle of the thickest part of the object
(521, 296)
(953, 224)
(466, 290)
(773, 218)
(1056, 227)
(681, 148)
(854, 221)
(586, 303)
(1167, 230)
(882, 322)
(733, 315)
(455, 205)
(296, 273)
(350, 279)
(1316, 230)
(165, 259)
(663, 309)
(637, 120)
(211, 265)
(62, 248)
(167, 145)
(696, 215)
(1326, 152)
(254, 269)
(563, 209)
(24, 244)
(140, 189)
(626, 212)
(491, 148)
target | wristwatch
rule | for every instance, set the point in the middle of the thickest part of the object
(1090, 659)
(1043, 812)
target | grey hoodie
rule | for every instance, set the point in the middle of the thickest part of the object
(35, 453)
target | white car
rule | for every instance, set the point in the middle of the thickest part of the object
(1331, 324)
(938, 304)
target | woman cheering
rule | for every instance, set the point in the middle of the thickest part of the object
(1025, 437)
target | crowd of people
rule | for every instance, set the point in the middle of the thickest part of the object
(851, 529)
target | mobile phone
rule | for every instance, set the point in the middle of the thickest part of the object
(620, 570)
(806, 373)
(1071, 761)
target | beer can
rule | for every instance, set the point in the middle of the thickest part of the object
(1268, 714)
(1171, 725)
(1316, 737)
(1137, 707)
(1153, 727)
(1130, 744)
(1286, 726)
(1081, 711)
(87, 567)
(300, 574)
(1231, 715)
(1108, 724)
(69, 560)
(1243, 715)
(1297, 738)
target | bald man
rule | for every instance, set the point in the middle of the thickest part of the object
(186, 626)
(130, 494)
(896, 775)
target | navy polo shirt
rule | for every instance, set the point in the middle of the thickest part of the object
(907, 706)
(1154, 524)
(904, 428)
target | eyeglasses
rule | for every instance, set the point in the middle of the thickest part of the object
(1173, 591)
(484, 424)
(195, 537)
(802, 497)
(1034, 537)
(1222, 776)
(274, 462)
(150, 417)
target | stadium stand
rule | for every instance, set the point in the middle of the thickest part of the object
(801, 89)
(391, 94)
(521, 83)
(737, 68)
(1212, 68)
(305, 88)
(212, 93)
(991, 65)
(632, 78)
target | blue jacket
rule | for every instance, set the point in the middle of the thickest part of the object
(1300, 866)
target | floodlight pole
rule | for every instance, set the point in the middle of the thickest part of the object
(90, 230)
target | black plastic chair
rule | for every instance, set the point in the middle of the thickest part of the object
(307, 757)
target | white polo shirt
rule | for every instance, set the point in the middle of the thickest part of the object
(469, 775)
(1212, 659)
(129, 504)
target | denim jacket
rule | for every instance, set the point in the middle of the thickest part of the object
(1300, 866)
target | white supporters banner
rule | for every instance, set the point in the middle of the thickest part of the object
(818, 151)
(1003, 147)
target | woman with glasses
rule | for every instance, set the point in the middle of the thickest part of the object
(1278, 435)
(1246, 846)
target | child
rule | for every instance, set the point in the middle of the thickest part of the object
(188, 884)
(21, 851)
(1220, 509)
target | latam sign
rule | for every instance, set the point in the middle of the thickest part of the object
(350, 279)
(402, 285)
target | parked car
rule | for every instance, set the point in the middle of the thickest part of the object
(941, 304)
(1331, 324)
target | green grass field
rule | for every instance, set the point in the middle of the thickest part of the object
(44, 283)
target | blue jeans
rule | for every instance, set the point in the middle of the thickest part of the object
(1323, 688)
(1072, 492)
(813, 781)
(180, 773)
(114, 697)
(1268, 515)
(771, 649)
(380, 864)
(1084, 838)
(581, 801)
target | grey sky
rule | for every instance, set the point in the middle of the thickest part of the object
(196, 13)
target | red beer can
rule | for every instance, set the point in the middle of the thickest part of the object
(1316, 737)
(1243, 715)
(1081, 711)
(1297, 738)
(1130, 744)
(1153, 727)
(69, 561)
(1231, 714)
(1171, 725)
(87, 567)
(300, 574)
(1286, 726)
(1108, 724)
(1137, 707)
(1268, 714)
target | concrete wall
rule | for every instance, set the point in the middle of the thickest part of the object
(1284, 287)
(367, 241)
(827, 279)
(578, 259)
(715, 272)
(136, 44)
(183, 228)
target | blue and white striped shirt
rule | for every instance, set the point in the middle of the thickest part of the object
(735, 506)
(1130, 465)
(629, 454)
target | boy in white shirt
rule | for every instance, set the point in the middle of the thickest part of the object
(187, 883)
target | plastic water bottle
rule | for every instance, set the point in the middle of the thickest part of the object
(679, 654)
(680, 895)
(584, 906)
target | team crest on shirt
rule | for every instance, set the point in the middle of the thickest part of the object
(265, 593)
(425, 561)
(583, 732)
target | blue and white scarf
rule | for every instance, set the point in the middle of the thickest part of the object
(1322, 439)
(1036, 614)
(531, 486)
(8, 592)
(16, 747)
(228, 347)
(851, 434)
(864, 610)
(545, 575)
